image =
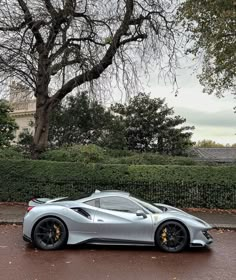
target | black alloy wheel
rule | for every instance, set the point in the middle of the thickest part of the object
(50, 234)
(172, 237)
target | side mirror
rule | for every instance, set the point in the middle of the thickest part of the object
(140, 213)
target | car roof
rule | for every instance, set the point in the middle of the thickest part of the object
(106, 193)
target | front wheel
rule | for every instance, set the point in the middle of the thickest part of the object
(171, 236)
(50, 234)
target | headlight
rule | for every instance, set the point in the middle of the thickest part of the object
(201, 222)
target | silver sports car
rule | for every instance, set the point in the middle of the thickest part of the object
(112, 217)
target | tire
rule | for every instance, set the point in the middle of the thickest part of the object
(50, 234)
(172, 237)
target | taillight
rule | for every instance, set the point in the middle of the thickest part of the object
(29, 208)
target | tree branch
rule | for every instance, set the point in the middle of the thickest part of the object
(139, 20)
(50, 8)
(33, 25)
(59, 66)
(99, 68)
(70, 41)
(14, 28)
(133, 39)
(15, 69)
(63, 16)
(84, 39)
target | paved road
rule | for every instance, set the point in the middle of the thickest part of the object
(19, 261)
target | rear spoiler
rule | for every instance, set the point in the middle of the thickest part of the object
(39, 201)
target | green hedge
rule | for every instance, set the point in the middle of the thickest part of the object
(10, 153)
(185, 186)
(86, 154)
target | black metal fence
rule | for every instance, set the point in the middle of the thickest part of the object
(180, 194)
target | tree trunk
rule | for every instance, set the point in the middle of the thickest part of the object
(43, 107)
(40, 141)
(160, 144)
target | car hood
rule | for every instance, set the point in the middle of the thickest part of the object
(180, 213)
(168, 208)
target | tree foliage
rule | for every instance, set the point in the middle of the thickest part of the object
(212, 25)
(25, 142)
(64, 44)
(7, 124)
(144, 124)
(79, 120)
(114, 136)
(207, 143)
(83, 120)
(151, 126)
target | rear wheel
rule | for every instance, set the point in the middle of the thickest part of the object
(172, 236)
(50, 234)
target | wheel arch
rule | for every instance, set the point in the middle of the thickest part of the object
(172, 220)
(45, 217)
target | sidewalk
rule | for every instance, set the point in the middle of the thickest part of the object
(11, 213)
(219, 219)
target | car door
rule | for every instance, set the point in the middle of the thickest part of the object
(116, 220)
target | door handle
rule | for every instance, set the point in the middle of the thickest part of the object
(100, 220)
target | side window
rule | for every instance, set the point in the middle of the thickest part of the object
(121, 204)
(91, 202)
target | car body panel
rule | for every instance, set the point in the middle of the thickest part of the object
(116, 225)
(92, 224)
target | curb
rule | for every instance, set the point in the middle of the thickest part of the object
(224, 226)
(10, 222)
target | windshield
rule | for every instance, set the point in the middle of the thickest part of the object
(149, 206)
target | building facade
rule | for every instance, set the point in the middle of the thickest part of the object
(24, 107)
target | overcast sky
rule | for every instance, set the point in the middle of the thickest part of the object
(213, 117)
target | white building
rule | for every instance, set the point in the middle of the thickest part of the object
(24, 107)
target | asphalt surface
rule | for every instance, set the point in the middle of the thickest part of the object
(20, 261)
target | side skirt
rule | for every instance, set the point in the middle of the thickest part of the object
(26, 238)
(107, 241)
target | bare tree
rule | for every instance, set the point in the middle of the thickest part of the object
(64, 44)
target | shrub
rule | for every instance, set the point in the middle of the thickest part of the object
(95, 154)
(10, 153)
(152, 159)
(112, 153)
(76, 153)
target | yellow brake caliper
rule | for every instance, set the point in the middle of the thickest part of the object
(58, 232)
(164, 235)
